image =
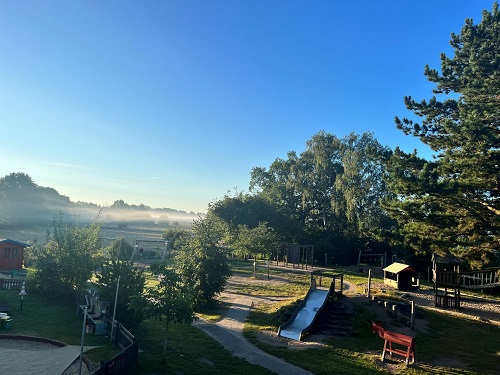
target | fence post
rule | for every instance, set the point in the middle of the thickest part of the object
(369, 282)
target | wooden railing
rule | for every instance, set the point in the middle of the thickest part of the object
(446, 278)
(480, 279)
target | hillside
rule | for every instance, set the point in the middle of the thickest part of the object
(24, 203)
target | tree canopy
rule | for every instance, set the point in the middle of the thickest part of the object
(451, 203)
(66, 261)
(333, 189)
(202, 262)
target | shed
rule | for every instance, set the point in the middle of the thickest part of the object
(11, 254)
(401, 276)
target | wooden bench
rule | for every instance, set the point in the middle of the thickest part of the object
(406, 344)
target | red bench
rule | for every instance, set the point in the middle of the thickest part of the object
(394, 338)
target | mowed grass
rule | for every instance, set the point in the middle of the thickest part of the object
(190, 351)
(451, 345)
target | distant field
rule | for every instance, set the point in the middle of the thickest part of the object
(131, 234)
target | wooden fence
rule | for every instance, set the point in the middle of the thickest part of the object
(120, 363)
(123, 362)
(11, 284)
(480, 279)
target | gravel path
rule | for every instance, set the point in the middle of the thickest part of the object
(478, 308)
(229, 330)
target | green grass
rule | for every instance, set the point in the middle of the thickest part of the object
(190, 351)
(41, 318)
(452, 345)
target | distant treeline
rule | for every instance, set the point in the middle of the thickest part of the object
(24, 203)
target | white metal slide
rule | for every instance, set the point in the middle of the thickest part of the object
(305, 314)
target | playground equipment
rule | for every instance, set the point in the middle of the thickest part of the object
(306, 313)
(139, 251)
(372, 258)
(301, 256)
(449, 280)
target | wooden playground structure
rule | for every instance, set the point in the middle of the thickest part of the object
(448, 280)
(300, 256)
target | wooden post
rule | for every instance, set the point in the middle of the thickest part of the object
(326, 259)
(412, 321)
(369, 282)
(359, 258)
(342, 284)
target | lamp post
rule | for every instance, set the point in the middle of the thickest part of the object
(22, 293)
(114, 312)
(83, 338)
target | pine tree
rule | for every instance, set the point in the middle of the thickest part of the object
(451, 204)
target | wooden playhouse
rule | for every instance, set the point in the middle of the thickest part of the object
(11, 254)
(401, 276)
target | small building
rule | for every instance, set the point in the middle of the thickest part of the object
(11, 254)
(401, 276)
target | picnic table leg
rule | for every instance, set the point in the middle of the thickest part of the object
(390, 349)
(383, 352)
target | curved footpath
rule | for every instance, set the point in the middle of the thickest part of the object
(229, 333)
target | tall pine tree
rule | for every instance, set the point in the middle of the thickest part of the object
(451, 204)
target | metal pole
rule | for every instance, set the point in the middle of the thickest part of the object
(83, 338)
(114, 310)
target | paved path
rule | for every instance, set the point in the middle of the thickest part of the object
(229, 333)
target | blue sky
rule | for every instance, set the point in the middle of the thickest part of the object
(172, 103)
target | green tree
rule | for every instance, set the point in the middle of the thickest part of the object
(118, 250)
(170, 301)
(452, 202)
(334, 188)
(66, 261)
(176, 238)
(260, 240)
(250, 210)
(202, 263)
(131, 284)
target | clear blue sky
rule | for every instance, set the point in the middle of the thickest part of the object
(172, 103)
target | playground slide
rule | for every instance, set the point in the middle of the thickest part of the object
(304, 316)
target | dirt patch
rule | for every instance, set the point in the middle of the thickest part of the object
(272, 338)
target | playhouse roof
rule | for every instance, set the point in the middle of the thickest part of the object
(398, 267)
(22, 244)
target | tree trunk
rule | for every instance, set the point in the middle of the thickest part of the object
(255, 266)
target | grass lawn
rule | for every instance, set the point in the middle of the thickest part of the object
(190, 351)
(451, 344)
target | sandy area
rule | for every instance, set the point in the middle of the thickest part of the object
(22, 356)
